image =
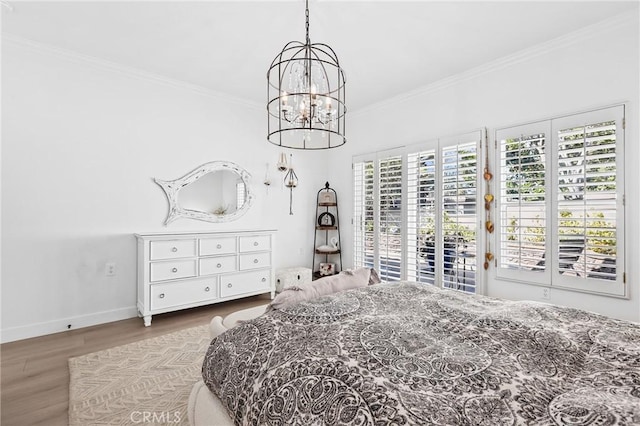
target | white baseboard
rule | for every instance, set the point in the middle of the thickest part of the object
(57, 326)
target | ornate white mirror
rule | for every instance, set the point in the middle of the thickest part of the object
(214, 192)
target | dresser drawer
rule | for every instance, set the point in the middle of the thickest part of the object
(255, 243)
(171, 270)
(255, 260)
(218, 245)
(217, 265)
(246, 282)
(182, 293)
(172, 249)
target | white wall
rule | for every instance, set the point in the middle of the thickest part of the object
(595, 67)
(81, 142)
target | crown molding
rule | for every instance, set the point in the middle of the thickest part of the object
(125, 70)
(584, 33)
(563, 41)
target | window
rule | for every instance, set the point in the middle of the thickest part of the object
(363, 248)
(378, 214)
(415, 212)
(390, 217)
(521, 202)
(561, 202)
(421, 216)
(459, 182)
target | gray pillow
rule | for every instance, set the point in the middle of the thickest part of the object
(375, 278)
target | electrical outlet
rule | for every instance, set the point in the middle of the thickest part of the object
(110, 269)
(546, 293)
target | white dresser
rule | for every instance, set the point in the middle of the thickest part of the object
(183, 270)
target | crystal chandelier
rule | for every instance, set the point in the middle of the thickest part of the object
(305, 96)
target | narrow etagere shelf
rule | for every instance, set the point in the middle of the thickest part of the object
(327, 254)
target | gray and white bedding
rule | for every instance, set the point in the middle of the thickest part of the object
(407, 353)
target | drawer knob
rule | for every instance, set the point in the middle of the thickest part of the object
(174, 270)
(255, 243)
(219, 265)
(265, 280)
(207, 289)
(219, 246)
(174, 249)
(161, 296)
(229, 285)
(255, 260)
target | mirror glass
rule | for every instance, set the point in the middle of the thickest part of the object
(214, 192)
(220, 192)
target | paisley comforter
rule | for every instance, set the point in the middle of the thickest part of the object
(407, 353)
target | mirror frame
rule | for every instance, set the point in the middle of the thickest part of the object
(173, 187)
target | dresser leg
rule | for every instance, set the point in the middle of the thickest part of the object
(147, 320)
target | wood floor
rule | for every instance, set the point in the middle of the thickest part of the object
(35, 372)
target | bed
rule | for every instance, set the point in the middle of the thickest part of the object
(408, 353)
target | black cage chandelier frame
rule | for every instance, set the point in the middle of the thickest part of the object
(306, 96)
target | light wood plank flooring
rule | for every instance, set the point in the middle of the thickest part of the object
(35, 372)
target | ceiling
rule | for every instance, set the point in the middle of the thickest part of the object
(386, 47)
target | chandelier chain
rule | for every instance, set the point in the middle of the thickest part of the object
(306, 13)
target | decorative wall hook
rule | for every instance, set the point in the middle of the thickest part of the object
(267, 179)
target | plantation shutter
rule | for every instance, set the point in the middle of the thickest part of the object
(561, 202)
(390, 218)
(442, 183)
(458, 213)
(363, 209)
(401, 227)
(421, 216)
(588, 241)
(522, 201)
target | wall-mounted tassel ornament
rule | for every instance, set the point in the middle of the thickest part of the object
(291, 181)
(488, 199)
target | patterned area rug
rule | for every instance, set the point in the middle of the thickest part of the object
(146, 382)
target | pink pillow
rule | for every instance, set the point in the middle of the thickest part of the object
(345, 280)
